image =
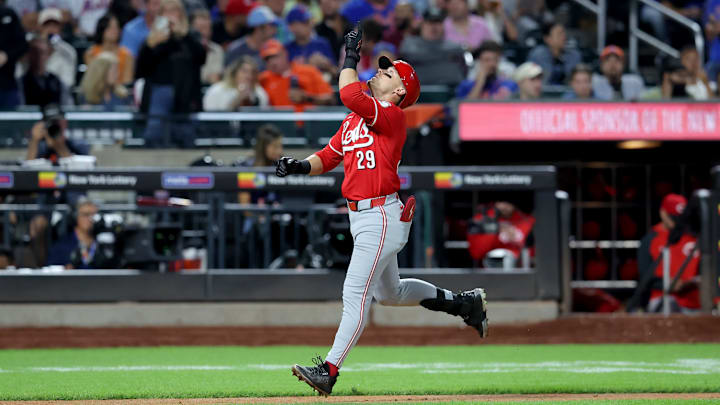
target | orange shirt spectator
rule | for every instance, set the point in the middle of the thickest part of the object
(292, 84)
(107, 40)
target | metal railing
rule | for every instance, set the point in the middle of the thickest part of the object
(637, 34)
(600, 11)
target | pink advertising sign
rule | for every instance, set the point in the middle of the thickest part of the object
(588, 121)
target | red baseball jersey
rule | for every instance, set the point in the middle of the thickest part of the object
(369, 143)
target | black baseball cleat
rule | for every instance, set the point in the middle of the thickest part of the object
(474, 310)
(318, 377)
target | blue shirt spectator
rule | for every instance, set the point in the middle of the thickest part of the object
(306, 42)
(712, 29)
(553, 56)
(486, 83)
(357, 10)
(134, 34)
(499, 87)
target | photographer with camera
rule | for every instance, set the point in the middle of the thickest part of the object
(499, 231)
(79, 249)
(48, 139)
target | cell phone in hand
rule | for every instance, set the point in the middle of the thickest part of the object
(161, 24)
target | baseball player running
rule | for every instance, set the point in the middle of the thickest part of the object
(369, 144)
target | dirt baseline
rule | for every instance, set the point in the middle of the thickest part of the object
(571, 329)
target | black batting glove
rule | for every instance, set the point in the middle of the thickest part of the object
(353, 43)
(287, 165)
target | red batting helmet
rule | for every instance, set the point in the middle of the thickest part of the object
(408, 76)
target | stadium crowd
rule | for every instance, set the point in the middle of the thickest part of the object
(160, 56)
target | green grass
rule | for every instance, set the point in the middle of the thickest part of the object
(175, 372)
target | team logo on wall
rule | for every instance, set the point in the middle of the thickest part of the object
(448, 180)
(405, 180)
(7, 180)
(51, 180)
(251, 180)
(188, 180)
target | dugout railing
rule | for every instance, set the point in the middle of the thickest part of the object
(544, 280)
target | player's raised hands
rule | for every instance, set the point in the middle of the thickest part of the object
(353, 42)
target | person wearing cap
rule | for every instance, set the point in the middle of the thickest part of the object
(63, 59)
(290, 83)
(12, 48)
(556, 59)
(136, 30)
(369, 144)
(263, 26)
(488, 83)
(613, 84)
(355, 11)
(41, 87)
(307, 47)
(436, 60)
(233, 24)
(672, 233)
(528, 77)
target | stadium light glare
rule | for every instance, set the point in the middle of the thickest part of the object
(639, 144)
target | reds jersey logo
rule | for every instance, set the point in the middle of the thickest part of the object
(355, 138)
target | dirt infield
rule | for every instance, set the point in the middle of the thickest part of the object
(550, 398)
(571, 329)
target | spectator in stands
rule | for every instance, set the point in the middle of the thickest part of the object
(310, 5)
(78, 249)
(239, 87)
(381, 49)
(436, 60)
(170, 62)
(528, 77)
(488, 83)
(612, 84)
(333, 26)
(32, 251)
(381, 11)
(63, 59)
(48, 140)
(580, 83)
(211, 71)
(553, 56)
(40, 86)
(263, 26)
(712, 34)
(99, 85)
(233, 25)
(289, 83)
(26, 12)
(136, 31)
(675, 79)
(87, 13)
(278, 8)
(405, 23)
(268, 150)
(498, 230)
(529, 17)
(698, 86)
(463, 28)
(672, 233)
(12, 47)
(308, 48)
(498, 22)
(107, 39)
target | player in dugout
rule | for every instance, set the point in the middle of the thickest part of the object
(369, 144)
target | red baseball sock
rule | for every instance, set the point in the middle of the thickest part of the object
(332, 368)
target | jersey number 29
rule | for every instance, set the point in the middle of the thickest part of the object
(368, 156)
